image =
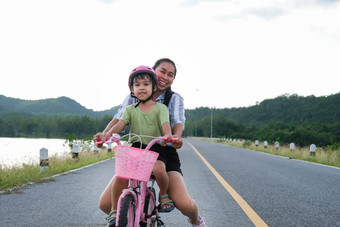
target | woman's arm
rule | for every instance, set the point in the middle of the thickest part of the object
(177, 118)
(117, 128)
(103, 135)
(177, 132)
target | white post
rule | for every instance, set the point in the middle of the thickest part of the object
(277, 145)
(312, 149)
(95, 148)
(109, 147)
(43, 160)
(291, 146)
(265, 143)
(256, 143)
(75, 150)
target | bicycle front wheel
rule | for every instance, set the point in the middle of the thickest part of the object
(149, 209)
(127, 212)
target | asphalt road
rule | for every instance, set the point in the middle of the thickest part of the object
(280, 191)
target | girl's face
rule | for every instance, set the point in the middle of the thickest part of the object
(166, 75)
(142, 88)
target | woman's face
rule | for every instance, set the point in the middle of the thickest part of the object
(166, 75)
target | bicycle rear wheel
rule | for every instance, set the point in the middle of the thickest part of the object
(127, 212)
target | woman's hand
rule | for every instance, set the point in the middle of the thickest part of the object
(96, 138)
(179, 143)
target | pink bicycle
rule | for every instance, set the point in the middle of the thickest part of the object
(137, 204)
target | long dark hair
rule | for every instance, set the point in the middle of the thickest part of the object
(168, 91)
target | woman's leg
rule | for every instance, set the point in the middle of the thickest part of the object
(109, 197)
(179, 194)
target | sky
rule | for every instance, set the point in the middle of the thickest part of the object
(229, 53)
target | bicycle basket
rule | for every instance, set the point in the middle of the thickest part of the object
(134, 163)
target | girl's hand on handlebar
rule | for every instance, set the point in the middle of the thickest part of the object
(100, 138)
(104, 136)
(167, 139)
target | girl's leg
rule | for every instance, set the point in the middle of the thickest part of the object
(179, 194)
(109, 197)
(162, 178)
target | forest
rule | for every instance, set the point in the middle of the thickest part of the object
(286, 119)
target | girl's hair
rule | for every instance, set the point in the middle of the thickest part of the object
(144, 76)
(168, 92)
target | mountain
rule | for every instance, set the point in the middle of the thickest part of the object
(285, 108)
(52, 106)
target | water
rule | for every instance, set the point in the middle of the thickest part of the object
(18, 151)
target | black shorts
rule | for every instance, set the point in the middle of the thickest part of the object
(167, 154)
(174, 164)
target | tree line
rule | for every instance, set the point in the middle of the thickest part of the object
(52, 127)
(304, 134)
(286, 119)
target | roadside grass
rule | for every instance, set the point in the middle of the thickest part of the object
(322, 155)
(19, 176)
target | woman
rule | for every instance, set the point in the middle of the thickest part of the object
(166, 72)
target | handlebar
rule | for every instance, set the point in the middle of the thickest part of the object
(116, 138)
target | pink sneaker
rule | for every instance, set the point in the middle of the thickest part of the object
(201, 222)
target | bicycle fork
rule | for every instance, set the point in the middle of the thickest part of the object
(137, 190)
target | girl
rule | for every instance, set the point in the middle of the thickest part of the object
(146, 118)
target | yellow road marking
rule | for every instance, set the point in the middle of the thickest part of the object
(252, 215)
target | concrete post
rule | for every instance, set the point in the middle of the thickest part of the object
(277, 145)
(312, 149)
(43, 160)
(75, 151)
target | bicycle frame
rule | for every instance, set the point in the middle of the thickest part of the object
(139, 189)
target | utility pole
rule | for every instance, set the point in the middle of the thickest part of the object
(211, 123)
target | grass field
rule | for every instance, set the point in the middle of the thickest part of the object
(18, 176)
(322, 155)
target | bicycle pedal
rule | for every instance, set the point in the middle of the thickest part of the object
(160, 223)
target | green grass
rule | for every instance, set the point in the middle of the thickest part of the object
(322, 155)
(18, 176)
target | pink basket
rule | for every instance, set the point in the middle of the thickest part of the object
(134, 163)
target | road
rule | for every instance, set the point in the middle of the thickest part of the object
(238, 188)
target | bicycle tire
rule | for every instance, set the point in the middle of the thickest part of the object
(148, 209)
(126, 210)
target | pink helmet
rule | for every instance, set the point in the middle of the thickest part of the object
(141, 70)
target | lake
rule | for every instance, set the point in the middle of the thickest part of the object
(18, 151)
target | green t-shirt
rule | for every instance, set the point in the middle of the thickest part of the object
(148, 124)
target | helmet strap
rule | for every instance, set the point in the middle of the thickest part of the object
(140, 101)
